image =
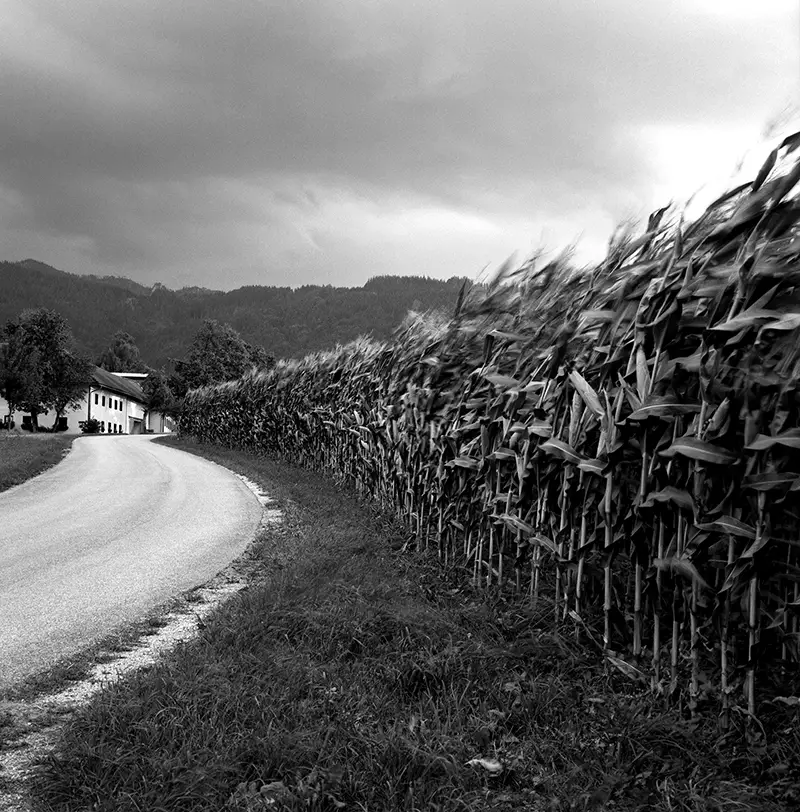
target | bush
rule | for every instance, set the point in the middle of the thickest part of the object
(91, 426)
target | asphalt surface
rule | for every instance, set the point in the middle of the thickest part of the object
(115, 529)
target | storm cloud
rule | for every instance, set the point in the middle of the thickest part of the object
(228, 143)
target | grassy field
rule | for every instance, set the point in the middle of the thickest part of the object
(358, 676)
(23, 456)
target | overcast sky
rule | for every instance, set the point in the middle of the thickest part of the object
(231, 142)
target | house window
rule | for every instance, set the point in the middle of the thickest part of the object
(104, 400)
(102, 425)
(96, 398)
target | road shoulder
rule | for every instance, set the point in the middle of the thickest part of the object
(33, 712)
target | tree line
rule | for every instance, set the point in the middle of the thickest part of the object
(289, 322)
(43, 372)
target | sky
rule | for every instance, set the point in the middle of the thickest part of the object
(224, 143)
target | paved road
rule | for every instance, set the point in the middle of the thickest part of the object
(116, 528)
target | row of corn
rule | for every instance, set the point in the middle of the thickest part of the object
(620, 446)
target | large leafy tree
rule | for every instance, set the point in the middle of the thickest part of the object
(122, 355)
(20, 374)
(39, 368)
(68, 387)
(217, 353)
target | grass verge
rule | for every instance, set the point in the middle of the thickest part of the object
(357, 677)
(24, 456)
(76, 667)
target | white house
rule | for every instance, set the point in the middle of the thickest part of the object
(115, 399)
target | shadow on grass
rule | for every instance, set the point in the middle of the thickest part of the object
(360, 678)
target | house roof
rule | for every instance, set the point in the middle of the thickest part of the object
(122, 386)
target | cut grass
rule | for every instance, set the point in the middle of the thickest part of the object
(24, 456)
(358, 677)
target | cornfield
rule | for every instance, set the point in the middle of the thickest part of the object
(619, 445)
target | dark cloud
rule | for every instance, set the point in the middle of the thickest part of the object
(175, 142)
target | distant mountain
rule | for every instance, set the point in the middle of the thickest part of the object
(288, 323)
(121, 282)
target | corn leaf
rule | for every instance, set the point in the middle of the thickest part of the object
(729, 525)
(699, 450)
(676, 496)
(588, 395)
(558, 448)
(788, 439)
(772, 480)
(663, 407)
(746, 319)
(681, 566)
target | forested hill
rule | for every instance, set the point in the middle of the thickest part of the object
(287, 323)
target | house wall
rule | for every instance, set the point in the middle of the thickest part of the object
(110, 408)
(114, 411)
(46, 420)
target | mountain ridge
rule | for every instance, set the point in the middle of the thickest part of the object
(287, 322)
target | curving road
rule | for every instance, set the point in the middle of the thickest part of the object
(116, 528)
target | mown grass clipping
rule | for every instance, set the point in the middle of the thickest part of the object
(620, 444)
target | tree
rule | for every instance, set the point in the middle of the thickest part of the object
(20, 376)
(122, 355)
(259, 357)
(217, 353)
(158, 394)
(39, 369)
(73, 373)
